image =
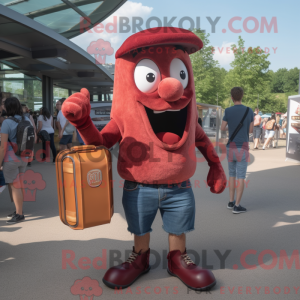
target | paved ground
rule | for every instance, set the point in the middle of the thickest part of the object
(31, 253)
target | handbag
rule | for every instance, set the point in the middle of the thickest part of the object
(44, 136)
(238, 128)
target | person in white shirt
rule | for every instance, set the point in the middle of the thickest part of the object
(45, 122)
(66, 130)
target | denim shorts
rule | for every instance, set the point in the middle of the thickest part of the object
(256, 132)
(176, 203)
(66, 139)
(237, 162)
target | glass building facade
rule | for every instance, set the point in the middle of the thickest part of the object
(63, 17)
(27, 89)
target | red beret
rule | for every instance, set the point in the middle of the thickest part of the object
(161, 36)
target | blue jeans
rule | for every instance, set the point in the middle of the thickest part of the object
(237, 162)
(176, 203)
(52, 146)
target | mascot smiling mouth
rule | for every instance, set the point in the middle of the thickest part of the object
(169, 124)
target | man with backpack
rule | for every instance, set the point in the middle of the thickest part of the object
(17, 140)
(239, 120)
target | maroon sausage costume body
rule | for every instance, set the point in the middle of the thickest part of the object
(154, 118)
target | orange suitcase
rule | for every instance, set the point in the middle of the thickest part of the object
(84, 185)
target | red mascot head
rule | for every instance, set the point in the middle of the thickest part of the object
(154, 85)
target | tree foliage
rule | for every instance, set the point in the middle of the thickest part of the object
(249, 70)
(208, 75)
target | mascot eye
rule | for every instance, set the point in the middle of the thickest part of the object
(150, 77)
(82, 288)
(90, 288)
(25, 181)
(147, 76)
(179, 71)
(97, 49)
(33, 181)
(103, 49)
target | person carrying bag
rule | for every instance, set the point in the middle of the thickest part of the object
(237, 146)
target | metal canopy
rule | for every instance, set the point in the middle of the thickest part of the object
(36, 50)
(63, 16)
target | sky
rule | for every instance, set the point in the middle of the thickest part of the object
(251, 18)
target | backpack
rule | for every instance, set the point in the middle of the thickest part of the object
(25, 136)
(270, 124)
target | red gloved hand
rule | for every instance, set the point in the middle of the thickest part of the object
(77, 109)
(216, 178)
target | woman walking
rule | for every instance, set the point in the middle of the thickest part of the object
(45, 122)
(270, 126)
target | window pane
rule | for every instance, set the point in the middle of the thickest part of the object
(29, 6)
(60, 21)
(54, 14)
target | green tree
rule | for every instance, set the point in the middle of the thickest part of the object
(291, 81)
(278, 80)
(208, 75)
(37, 88)
(250, 71)
(285, 81)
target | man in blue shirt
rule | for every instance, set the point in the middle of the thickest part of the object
(238, 148)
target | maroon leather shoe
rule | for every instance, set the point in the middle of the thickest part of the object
(128, 272)
(195, 278)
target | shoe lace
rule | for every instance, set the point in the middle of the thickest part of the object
(132, 257)
(187, 259)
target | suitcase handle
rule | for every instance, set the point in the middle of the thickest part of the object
(84, 147)
(75, 190)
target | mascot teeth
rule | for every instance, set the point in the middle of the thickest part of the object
(162, 111)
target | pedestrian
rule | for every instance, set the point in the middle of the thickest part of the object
(277, 131)
(239, 120)
(27, 114)
(2, 179)
(284, 124)
(79, 138)
(256, 128)
(270, 126)
(200, 121)
(2, 107)
(13, 165)
(65, 129)
(34, 117)
(45, 122)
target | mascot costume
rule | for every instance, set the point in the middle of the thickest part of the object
(154, 119)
